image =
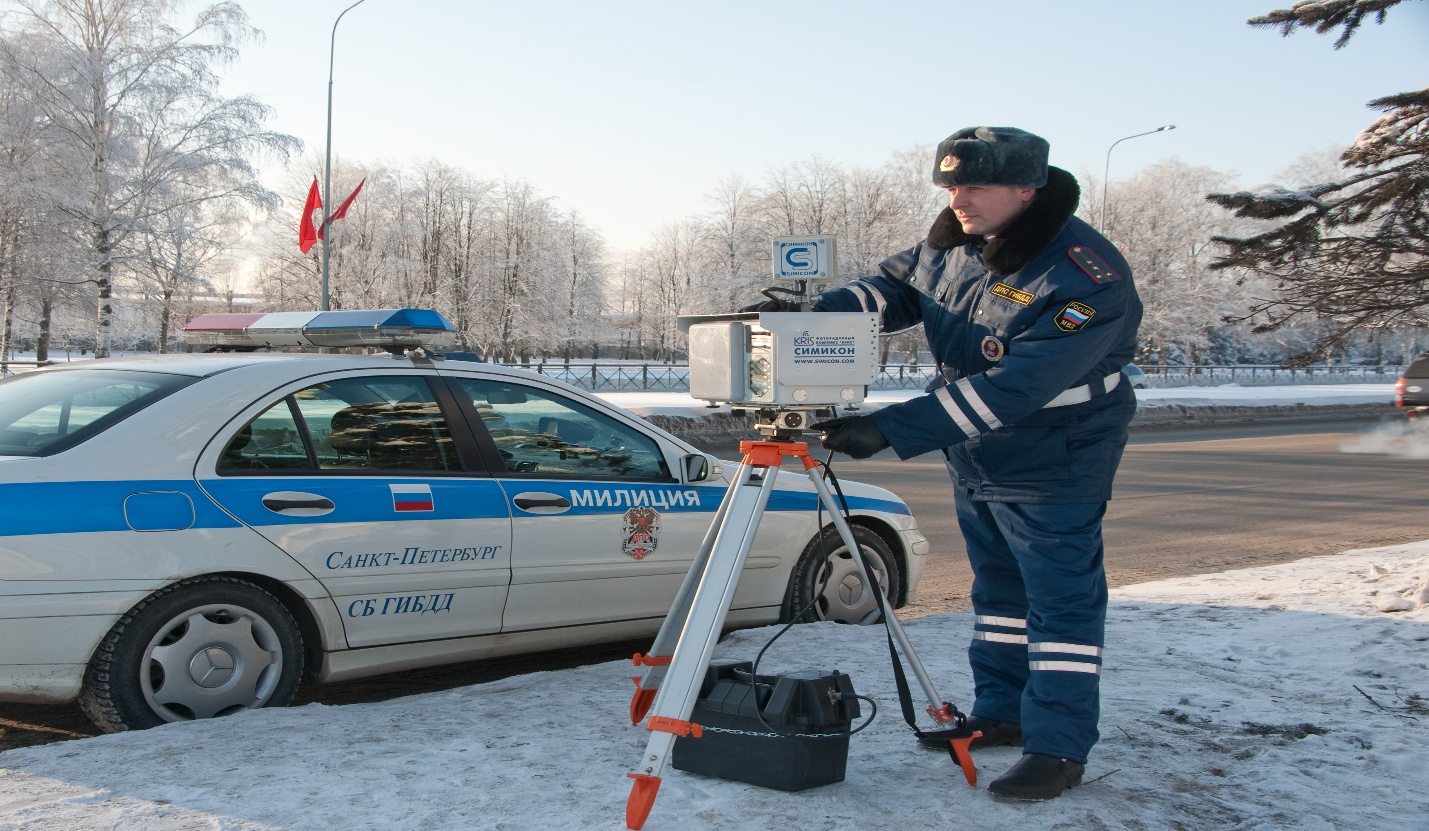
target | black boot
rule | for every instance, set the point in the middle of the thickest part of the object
(1036, 776)
(994, 734)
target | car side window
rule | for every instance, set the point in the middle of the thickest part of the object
(271, 442)
(545, 433)
(365, 423)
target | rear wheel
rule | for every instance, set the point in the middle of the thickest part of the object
(197, 649)
(826, 580)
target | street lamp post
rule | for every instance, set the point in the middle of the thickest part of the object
(327, 156)
(1106, 171)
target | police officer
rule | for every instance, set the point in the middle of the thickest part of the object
(1030, 314)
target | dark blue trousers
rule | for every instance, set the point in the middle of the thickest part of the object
(1039, 595)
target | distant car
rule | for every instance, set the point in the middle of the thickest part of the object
(187, 536)
(1134, 374)
(1411, 393)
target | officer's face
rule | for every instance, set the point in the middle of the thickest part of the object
(986, 210)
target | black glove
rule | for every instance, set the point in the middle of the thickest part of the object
(857, 436)
(772, 306)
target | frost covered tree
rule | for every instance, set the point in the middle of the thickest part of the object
(133, 102)
(735, 248)
(581, 252)
(174, 254)
(1164, 229)
(1353, 252)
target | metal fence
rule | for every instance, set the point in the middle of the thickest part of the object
(1250, 375)
(617, 377)
(676, 377)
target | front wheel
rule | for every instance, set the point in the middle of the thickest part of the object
(197, 649)
(826, 584)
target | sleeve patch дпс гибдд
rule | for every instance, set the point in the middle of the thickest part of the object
(1018, 296)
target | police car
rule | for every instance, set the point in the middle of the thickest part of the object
(187, 536)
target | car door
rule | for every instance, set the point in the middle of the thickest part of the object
(360, 478)
(601, 529)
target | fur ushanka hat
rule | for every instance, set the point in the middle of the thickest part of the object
(991, 156)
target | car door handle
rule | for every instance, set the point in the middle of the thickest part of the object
(294, 503)
(541, 503)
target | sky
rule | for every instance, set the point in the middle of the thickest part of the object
(1265, 699)
(631, 112)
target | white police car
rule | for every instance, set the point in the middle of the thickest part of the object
(187, 536)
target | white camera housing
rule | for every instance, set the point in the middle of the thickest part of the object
(800, 360)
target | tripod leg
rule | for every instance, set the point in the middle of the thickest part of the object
(680, 688)
(940, 710)
(658, 657)
(936, 706)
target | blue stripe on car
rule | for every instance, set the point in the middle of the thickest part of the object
(96, 506)
(81, 507)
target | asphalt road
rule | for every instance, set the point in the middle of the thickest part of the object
(1186, 502)
(1192, 502)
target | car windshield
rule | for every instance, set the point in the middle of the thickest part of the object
(42, 413)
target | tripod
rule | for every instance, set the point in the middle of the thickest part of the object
(675, 666)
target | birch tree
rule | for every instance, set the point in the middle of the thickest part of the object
(136, 102)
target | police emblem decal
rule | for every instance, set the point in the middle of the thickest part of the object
(949, 162)
(1074, 316)
(641, 532)
(992, 349)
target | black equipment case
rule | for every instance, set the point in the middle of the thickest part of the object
(808, 746)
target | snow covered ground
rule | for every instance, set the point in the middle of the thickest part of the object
(1287, 697)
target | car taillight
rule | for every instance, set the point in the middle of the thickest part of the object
(1399, 393)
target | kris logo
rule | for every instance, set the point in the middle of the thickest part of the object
(411, 498)
(803, 338)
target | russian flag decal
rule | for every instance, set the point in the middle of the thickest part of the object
(411, 497)
(1074, 316)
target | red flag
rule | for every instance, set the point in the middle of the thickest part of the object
(341, 209)
(307, 235)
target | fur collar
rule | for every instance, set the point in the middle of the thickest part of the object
(1028, 234)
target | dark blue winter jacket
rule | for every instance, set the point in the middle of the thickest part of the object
(1045, 309)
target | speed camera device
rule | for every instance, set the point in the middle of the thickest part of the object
(789, 367)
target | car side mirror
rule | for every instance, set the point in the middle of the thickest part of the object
(697, 467)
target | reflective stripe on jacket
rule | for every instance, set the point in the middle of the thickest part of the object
(1008, 345)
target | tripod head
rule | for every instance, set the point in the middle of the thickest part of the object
(787, 423)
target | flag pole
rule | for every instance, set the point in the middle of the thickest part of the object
(327, 157)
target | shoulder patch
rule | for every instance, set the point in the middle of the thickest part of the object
(1089, 262)
(1018, 296)
(1074, 316)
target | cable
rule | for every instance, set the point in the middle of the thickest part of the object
(794, 618)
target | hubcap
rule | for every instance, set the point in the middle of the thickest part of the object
(212, 667)
(851, 589)
(209, 661)
(846, 598)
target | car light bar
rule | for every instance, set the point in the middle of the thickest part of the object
(406, 328)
